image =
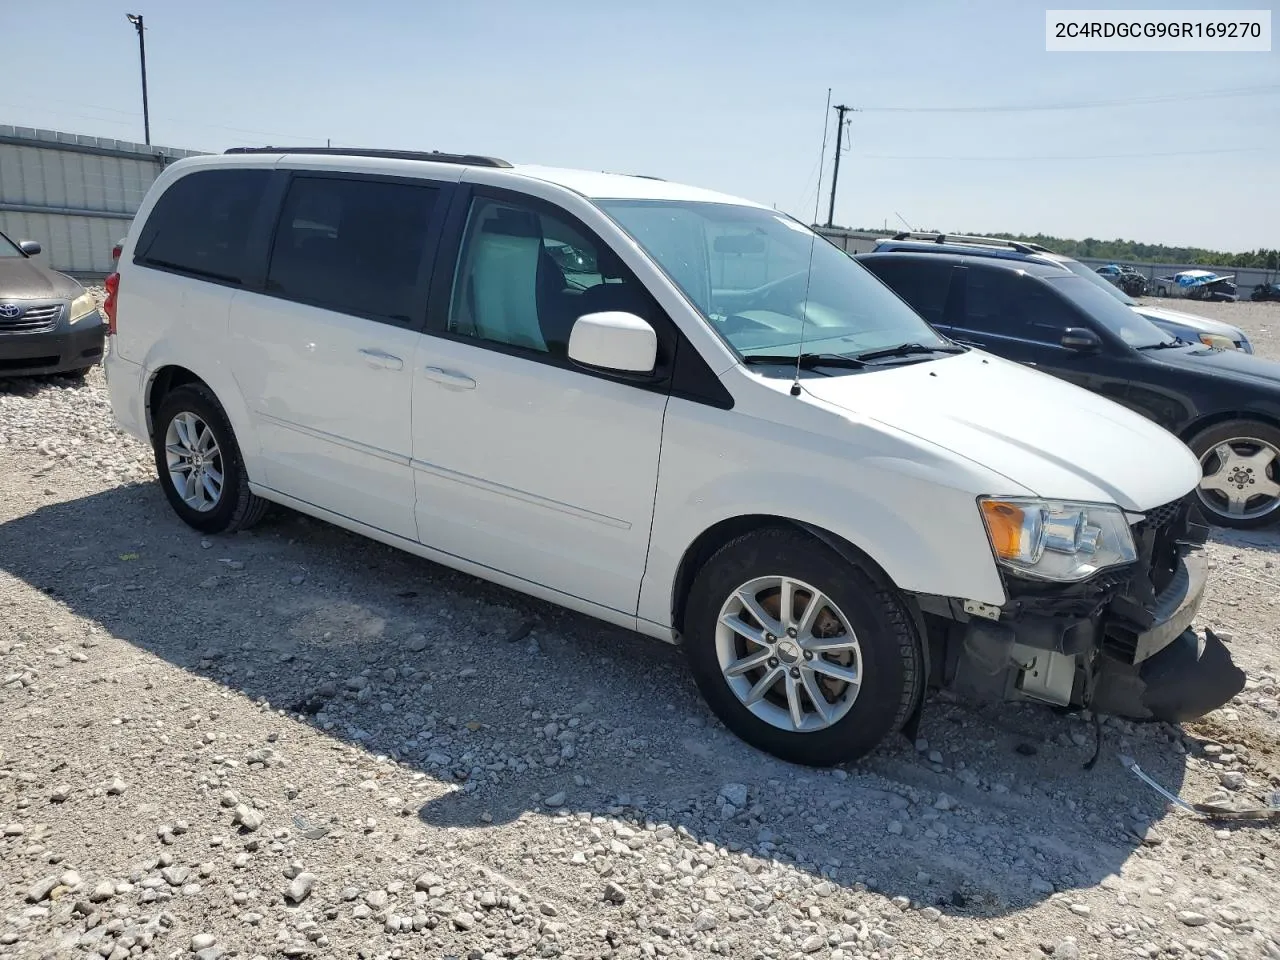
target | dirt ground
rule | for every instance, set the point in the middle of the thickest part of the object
(296, 742)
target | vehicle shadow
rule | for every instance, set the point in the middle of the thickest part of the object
(1266, 539)
(512, 702)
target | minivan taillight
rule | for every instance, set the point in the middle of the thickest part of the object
(109, 305)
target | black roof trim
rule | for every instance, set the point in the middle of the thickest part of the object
(432, 156)
(1039, 268)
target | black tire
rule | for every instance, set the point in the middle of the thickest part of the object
(79, 373)
(237, 508)
(892, 663)
(1254, 435)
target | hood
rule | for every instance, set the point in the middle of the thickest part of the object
(1042, 433)
(1192, 320)
(1248, 368)
(23, 279)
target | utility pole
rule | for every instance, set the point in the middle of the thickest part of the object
(136, 20)
(840, 110)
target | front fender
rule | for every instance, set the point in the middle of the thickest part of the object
(910, 508)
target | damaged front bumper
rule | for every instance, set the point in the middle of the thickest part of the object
(1120, 643)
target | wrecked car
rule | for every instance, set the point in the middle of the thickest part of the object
(676, 411)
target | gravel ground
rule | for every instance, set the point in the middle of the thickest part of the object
(296, 742)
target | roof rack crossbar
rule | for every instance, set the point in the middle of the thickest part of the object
(1017, 245)
(432, 156)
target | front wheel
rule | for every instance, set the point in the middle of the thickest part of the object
(799, 652)
(199, 463)
(1241, 463)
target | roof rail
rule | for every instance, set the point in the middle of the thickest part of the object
(1017, 245)
(433, 156)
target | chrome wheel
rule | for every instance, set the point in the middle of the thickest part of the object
(1241, 479)
(788, 654)
(194, 461)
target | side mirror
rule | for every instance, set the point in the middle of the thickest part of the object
(1081, 339)
(613, 340)
(29, 247)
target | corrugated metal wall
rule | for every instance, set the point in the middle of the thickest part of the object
(74, 194)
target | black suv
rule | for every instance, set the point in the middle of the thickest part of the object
(1225, 404)
(1188, 326)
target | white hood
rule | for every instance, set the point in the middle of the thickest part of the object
(1042, 433)
(1188, 319)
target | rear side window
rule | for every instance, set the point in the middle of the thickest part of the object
(921, 282)
(354, 246)
(201, 224)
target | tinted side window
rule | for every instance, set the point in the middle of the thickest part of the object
(201, 224)
(354, 246)
(1012, 305)
(1045, 314)
(524, 276)
(922, 282)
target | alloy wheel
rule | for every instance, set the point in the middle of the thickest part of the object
(788, 654)
(194, 461)
(1241, 478)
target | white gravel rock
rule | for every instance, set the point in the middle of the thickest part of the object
(368, 708)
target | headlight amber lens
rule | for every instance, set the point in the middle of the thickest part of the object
(1057, 540)
(1016, 530)
(1217, 341)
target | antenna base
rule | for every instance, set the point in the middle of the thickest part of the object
(795, 389)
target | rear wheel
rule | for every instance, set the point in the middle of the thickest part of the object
(799, 652)
(199, 463)
(1241, 463)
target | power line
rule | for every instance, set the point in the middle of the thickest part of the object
(1099, 156)
(1088, 104)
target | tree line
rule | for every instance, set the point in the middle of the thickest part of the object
(1122, 251)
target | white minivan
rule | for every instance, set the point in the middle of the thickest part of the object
(674, 410)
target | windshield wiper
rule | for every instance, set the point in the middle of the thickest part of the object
(907, 350)
(1166, 344)
(806, 361)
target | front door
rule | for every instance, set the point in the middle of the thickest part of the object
(523, 462)
(325, 355)
(1022, 318)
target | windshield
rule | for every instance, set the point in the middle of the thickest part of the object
(1133, 328)
(747, 271)
(1080, 270)
(8, 248)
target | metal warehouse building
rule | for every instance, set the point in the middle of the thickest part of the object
(74, 194)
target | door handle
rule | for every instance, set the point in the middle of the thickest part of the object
(379, 358)
(449, 378)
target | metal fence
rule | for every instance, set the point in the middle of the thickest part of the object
(74, 194)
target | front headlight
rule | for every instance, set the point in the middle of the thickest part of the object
(1217, 341)
(1056, 540)
(82, 306)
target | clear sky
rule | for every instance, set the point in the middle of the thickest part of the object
(726, 95)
